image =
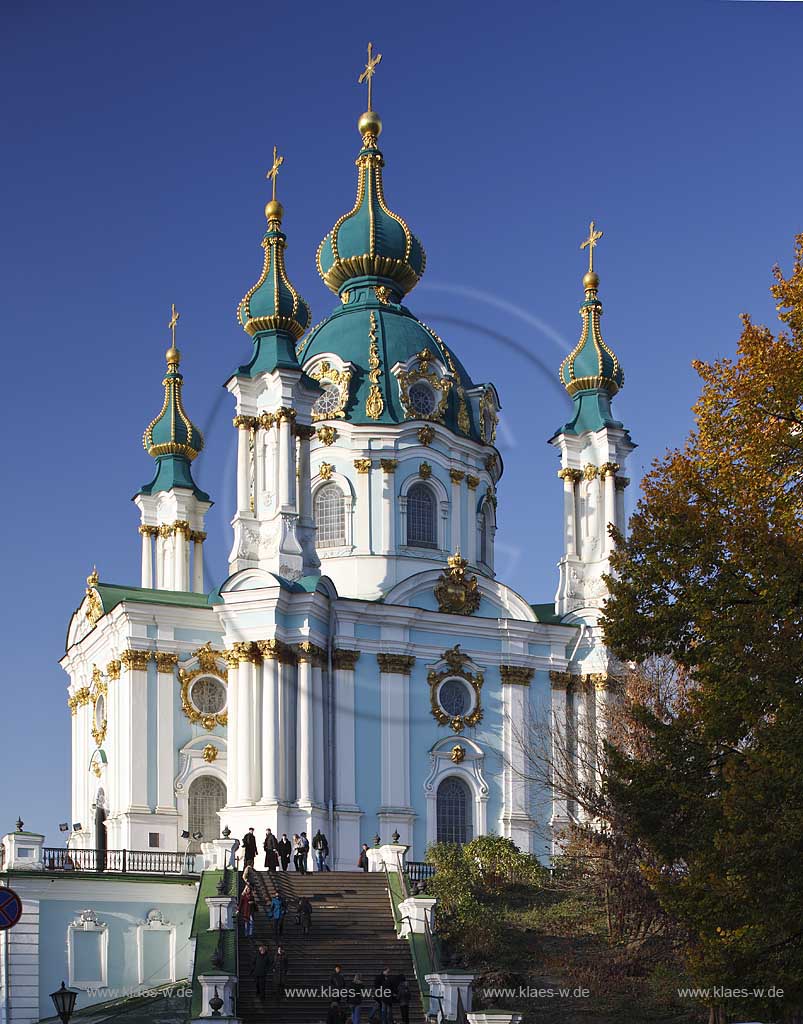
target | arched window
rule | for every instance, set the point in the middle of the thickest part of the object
(422, 399)
(206, 796)
(421, 525)
(328, 402)
(454, 811)
(330, 516)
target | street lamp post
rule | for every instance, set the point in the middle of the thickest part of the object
(64, 1001)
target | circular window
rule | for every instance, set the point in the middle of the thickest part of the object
(208, 696)
(100, 712)
(422, 399)
(454, 697)
(328, 402)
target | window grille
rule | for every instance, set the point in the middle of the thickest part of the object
(330, 516)
(454, 811)
(421, 526)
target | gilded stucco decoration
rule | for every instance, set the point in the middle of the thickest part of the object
(209, 663)
(454, 666)
(489, 418)
(440, 385)
(374, 403)
(426, 435)
(456, 592)
(327, 435)
(99, 691)
(210, 753)
(325, 374)
(94, 608)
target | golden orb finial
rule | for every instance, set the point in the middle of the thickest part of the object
(591, 281)
(274, 211)
(369, 123)
(173, 357)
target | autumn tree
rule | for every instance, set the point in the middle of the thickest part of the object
(711, 577)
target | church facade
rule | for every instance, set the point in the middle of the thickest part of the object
(361, 669)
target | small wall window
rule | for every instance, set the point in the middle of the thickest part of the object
(421, 510)
(153, 840)
(330, 516)
(208, 695)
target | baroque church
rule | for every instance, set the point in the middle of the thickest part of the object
(361, 668)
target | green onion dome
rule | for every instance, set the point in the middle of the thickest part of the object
(172, 438)
(591, 364)
(273, 304)
(371, 240)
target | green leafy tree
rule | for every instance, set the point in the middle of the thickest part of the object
(711, 577)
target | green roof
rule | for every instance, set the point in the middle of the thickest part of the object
(546, 613)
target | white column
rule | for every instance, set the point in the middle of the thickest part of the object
(601, 695)
(286, 729)
(305, 728)
(248, 722)
(609, 485)
(271, 725)
(147, 556)
(243, 465)
(561, 769)
(113, 743)
(570, 477)
(584, 747)
(169, 548)
(515, 737)
(318, 751)
(389, 506)
(198, 561)
(304, 493)
(456, 476)
(272, 478)
(182, 556)
(471, 498)
(362, 538)
(394, 700)
(621, 483)
(233, 729)
(160, 559)
(165, 745)
(345, 746)
(133, 707)
(77, 767)
(287, 463)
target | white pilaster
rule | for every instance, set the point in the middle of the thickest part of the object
(287, 464)
(471, 502)
(198, 561)
(319, 751)
(133, 707)
(395, 812)
(362, 483)
(457, 477)
(561, 768)
(165, 748)
(305, 728)
(516, 817)
(243, 467)
(244, 743)
(388, 506)
(147, 533)
(271, 726)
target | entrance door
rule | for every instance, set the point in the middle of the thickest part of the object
(100, 839)
(206, 797)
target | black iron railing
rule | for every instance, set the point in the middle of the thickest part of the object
(419, 870)
(143, 862)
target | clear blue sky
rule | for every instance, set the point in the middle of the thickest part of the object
(135, 143)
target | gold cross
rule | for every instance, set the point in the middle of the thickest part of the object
(370, 71)
(273, 173)
(590, 242)
(174, 318)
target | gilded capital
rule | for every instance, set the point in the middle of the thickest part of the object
(135, 660)
(590, 472)
(345, 659)
(165, 661)
(284, 412)
(362, 465)
(148, 531)
(516, 675)
(456, 476)
(182, 526)
(401, 664)
(246, 650)
(472, 482)
(608, 469)
(490, 463)
(306, 433)
(388, 465)
(245, 422)
(266, 420)
(198, 536)
(560, 680)
(310, 652)
(573, 475)
(276, 650)
(622, 482)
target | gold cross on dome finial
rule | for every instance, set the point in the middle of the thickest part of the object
(370, 70)
(590, 242)
(174, 318)
(273, 173)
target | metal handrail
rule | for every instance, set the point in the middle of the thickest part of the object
(402, 877)
(150, 862)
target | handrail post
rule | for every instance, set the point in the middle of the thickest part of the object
(124, 861)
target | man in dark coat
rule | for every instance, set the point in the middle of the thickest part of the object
(320, 845)
(261, 968)
(249, 848)
(284, 848)
(281, 966)
(271, 848)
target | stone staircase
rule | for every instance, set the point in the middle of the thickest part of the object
(352, 925)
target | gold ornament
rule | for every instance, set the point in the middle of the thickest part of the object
(325, 373)
(362, 465)
(472, 482)
(388, 465)
(400, 664)
(455, 669)
(94, 609)
(210, 753)
(456, 592)
(325, 470)
(458, 753)
(426, 435)
(425, 471)
(517, 675)
(345, 659)
(374, 403)
(327, 435)
(165, 662)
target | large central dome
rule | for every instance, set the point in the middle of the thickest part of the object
(383, 363)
